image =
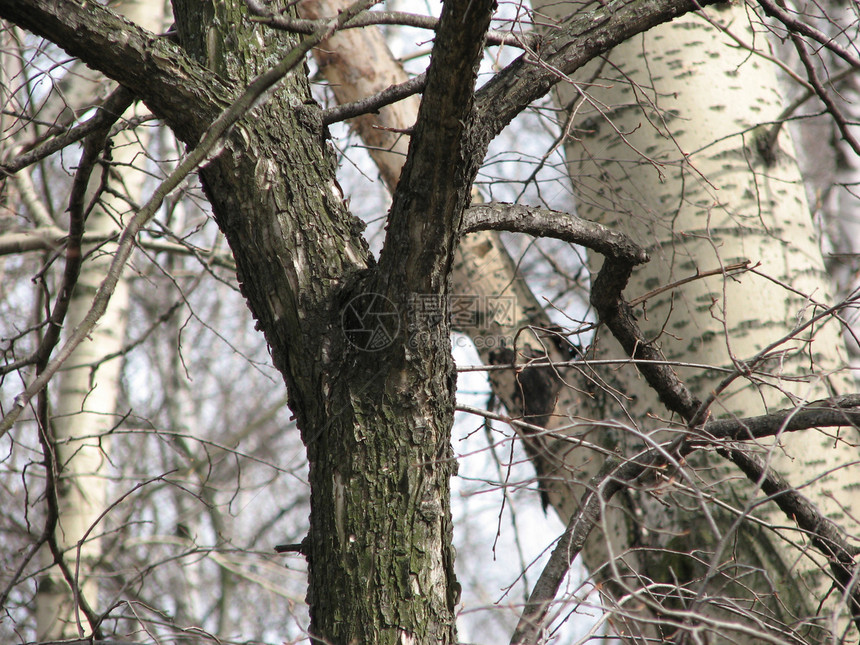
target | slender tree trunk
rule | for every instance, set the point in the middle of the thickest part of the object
(666, 145)
(86, 406)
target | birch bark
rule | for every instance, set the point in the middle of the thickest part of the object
(88, 395)
(665, 145)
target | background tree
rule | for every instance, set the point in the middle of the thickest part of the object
(85, 410)
(705, 177)
(376, 424)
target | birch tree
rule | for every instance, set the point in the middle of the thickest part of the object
(698, 177)
(88, 393)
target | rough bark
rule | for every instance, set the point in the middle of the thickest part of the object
(379, 572)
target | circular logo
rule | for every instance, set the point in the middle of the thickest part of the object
(370, 322)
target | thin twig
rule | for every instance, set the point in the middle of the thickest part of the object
(823, 94)
(796, 26)
(731, 269)
(278, 20)
(375, 102)
(108, 113)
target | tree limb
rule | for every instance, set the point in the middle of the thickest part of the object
(543, 222)
(93, 147)
(825, 534)
(616, 314)
(812, 75)
(437, 177)
(839, 411)
(307, 26)
(50, 238)
(611, 478)
(374, 103)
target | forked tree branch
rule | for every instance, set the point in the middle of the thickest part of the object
(204, 150)
(621, 255)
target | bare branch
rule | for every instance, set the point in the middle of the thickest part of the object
(52, 238)
(769, 141)
(543, 222)
(108, 113)
(823, 94)
(374, 103)
(839, 411)
(152, 67)
(78, 211)
(617, 315)
(746, 367)
(611, 478)
(796, 26)
(826, 535)
(402, 18)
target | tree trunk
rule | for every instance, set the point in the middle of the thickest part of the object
(666, 145)
(375, 417)
(507, 324)
(86, 406)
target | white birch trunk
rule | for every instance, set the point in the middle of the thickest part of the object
(663, 146)
(86, 406)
